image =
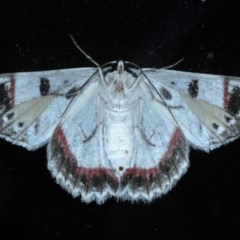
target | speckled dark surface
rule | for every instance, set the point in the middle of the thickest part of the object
(34, 36)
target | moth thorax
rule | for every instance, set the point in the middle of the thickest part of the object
(119, 87)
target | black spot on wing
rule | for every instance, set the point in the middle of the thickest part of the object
(121, 168)
(234, 101)
(20, 124)
(72, 93)
(227, 118)
(193, 88)
(215, 126)
(166, 94)
(10, 115)
(44, 86)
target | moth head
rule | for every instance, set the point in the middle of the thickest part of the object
(120, 79)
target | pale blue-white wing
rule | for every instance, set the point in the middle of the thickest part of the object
(139, 157)
(31, 103)
(206, 106)
(161, 151)
(75, 152)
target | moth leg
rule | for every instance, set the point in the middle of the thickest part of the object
(91, 135)
(99, 122)
(139, 125)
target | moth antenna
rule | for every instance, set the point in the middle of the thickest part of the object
(81, 50)
(173, 65)
(88, 57)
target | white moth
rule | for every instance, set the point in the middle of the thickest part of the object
(118, 130)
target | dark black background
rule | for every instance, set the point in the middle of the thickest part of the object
(34, 36)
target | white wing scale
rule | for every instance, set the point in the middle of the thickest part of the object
(125, 135)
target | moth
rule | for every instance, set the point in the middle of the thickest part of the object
(118, 130)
